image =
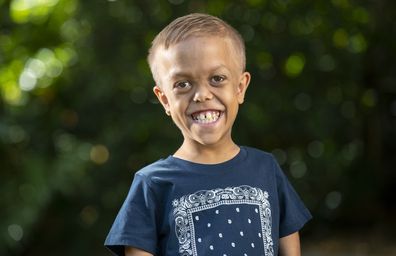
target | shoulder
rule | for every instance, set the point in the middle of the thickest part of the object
(160, 168)
(259, 155)
(154, 168)
(262, 160)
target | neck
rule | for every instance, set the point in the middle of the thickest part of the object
(207, 154)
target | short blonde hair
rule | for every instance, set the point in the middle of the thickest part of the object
(196, 25)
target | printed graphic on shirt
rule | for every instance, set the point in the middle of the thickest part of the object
(226, 222)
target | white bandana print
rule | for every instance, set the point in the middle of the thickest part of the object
(225, 222)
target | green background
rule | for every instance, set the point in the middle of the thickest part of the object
(78, 116)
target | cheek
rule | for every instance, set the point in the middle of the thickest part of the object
(231, 94)
(177, 104)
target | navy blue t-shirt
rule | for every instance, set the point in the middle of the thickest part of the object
(238, 207)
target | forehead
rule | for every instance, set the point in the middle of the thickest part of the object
(197, 54)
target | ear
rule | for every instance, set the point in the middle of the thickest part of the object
(162, 98)
(242, 86)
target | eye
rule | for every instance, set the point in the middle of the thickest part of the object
(182, 85)
(217, 79)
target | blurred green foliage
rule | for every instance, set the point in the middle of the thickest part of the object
(78, 118)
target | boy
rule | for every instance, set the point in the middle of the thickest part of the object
(211, 197)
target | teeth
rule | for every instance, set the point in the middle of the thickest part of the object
(206, 117)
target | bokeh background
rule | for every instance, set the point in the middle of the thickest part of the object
(78, 116)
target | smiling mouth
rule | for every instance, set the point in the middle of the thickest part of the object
(206, 117)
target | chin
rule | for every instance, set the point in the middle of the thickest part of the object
(208, 141)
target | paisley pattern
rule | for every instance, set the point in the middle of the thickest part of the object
(184, 207)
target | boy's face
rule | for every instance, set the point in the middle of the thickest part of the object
(201, 85)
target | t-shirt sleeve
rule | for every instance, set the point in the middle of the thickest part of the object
(135, 224)
(293, 213)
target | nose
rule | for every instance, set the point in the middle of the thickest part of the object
(202, 93)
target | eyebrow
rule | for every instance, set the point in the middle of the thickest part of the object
(176, 73)
(221, 66)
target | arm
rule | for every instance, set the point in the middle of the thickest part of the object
(290, 245)
(132, 251)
